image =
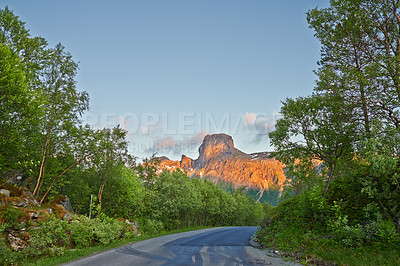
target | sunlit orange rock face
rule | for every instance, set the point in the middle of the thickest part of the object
(219, 160)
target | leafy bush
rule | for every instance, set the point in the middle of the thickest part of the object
(50, 238)
(152, 226)
(54, 236)
(9, 217)
(80, 232)
(106, 230)
(343, 217)
(8, 257)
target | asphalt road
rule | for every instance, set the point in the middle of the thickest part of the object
(215, 246)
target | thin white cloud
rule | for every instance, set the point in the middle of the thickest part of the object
(249, 118)
(259, 125)
(198, 137)
(168, 144)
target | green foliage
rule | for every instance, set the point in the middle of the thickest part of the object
(126, 191)
(54, 237)
(177, 200)
(19, 110)
(9, 217)
(351, 124)
(149, 226)
(343, 217)
(180, 201)
(49, 238)
(80, 235)
(315, 127)
(8, 257)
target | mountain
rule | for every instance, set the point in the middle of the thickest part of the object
(219, 161)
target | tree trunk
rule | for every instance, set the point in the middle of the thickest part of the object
(100, 194)
(55, 178)
(46, 146)
(330, 177)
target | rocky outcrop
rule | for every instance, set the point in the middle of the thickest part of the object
(186, 163)
(219, 160)
(63, 201)
(15, 178)
(18, 240)
(19, 197)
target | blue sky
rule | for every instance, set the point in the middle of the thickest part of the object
(172, 71)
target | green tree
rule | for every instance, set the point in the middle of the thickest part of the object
(40, 105)
(19, 112)
(314, 127)
(177, 201)
(21, 98)
(360, 56)
(63, 104)
(109, 153)
(124, 194)
(30, 50)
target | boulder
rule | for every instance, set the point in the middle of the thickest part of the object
(28, 198)
(63, 201)
(67, 205)
(20, 204)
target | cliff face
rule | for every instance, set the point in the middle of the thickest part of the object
(219, 160)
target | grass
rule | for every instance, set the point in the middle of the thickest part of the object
(74, 254)
(320, 252)
(367, 255)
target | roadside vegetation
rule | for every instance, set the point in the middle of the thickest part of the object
(341, 144)
(68, 188)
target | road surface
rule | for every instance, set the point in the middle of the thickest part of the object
(215, 246)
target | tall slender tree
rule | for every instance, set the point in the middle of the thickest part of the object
(361, 56)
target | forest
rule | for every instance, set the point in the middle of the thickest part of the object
(348, 209)
(48, 154)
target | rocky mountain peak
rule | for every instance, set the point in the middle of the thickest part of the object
(216, 145)
(219, 160)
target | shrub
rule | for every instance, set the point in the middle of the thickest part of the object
(152, 226)
(7, 256)
(53, 237)
(80, 233)
(105, 230)
(9, 217)
(50, 238)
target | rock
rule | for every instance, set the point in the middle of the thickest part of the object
(20, 204)
(5, 192)
(16, 242)
(15, 178)
(34, 215)
(63, 201)
(219, 160)
(216, 145)
(28, 198)
(162, 158)
(186, 162)
(67, 204)
(277, 252)
(33, 227)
